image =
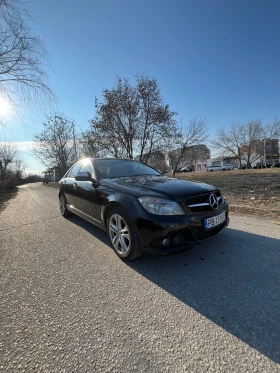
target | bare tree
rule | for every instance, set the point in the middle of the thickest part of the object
(19, 166)
(240, 141)
(90, 146)
(157, 123)
(251, 133)
(195, 132)
(113, 127)
(229, 142)
(272, 131)
(55, 145)
(22, 55)
(8, 153)
(130, 119)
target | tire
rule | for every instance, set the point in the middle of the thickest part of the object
(211, 170)
(62, 206)
(123, 234)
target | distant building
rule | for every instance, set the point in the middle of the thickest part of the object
(268, 148)
(221, 161)
(194, 156)
(156, 160)
(261, 150)
(52, 174)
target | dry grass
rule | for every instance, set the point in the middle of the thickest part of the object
(254, 192)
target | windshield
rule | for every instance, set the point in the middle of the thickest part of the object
(113, 168)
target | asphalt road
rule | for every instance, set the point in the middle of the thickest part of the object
(68, 304)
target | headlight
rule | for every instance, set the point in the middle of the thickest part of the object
(160, 206)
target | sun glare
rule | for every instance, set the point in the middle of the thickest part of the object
(4, 107)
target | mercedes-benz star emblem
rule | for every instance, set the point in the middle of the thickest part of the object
(213, 201)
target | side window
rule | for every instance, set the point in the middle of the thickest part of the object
(86, 167)
(74, 170)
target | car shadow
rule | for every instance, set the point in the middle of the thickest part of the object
(233, 280)
(90, 228)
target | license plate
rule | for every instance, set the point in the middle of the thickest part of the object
(215, 220)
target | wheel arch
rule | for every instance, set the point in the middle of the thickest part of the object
(110, 206)
(127, 217)
(107, 210)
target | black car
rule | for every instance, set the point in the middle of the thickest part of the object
(141, 209)
(186, 169)
(267, 164)
(276, 164)
(242, 167)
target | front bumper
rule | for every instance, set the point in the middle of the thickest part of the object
(167, 234)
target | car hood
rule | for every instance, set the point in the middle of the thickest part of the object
(158, 186)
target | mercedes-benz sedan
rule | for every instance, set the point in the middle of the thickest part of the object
(141, 209)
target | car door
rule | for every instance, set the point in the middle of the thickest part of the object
(86, 191)
(70, 185)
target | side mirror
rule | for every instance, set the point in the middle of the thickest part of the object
(94, 182)
(83, 176)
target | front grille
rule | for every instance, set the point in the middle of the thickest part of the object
(201, 203)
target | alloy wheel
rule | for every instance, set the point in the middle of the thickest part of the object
(119, 235)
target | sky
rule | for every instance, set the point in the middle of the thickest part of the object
(218, 59)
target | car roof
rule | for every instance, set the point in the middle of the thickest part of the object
(112, 159)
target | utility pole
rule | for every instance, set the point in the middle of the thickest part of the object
(264, 154)
(74, 137)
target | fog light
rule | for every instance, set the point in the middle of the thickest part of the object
(166, 242)
(176, 240)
